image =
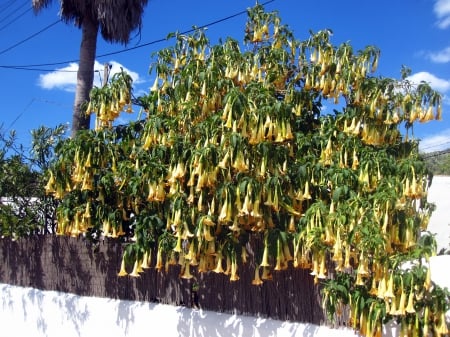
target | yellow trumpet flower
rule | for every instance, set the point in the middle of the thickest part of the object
(186, 232)
(50, 187)
(393, 308)
(207, 234)
(122, 271)
(280, 257)
(146, 260)
(219, 268)
(291, 226)
(322, 267)
(363, 323)
(389, 293)
(337, 248)
(228, 266)
(139, 266)
(239, 163)
(178, 248)
(234, 276)
(135, 272)
(381, 288)
(438, 116)
(362, 267)
(427, 115)
(359, 280)
(87, 210)
(192, 257)
(315, 265)
(347, 264)
(306, 194)
(88, 161)
(355, 162)
(224, 162)
(187, 271)
(269, 201)
(247, 206)
(401, 305)
(410, 306)
(257, 279)
(265, 257)
(87, 182)
(235, 227)
(255, 212)
(373, 287)
(441, 328)
(159, 260)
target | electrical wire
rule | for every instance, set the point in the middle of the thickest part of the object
(435, 145)
(14, 19)
(30, 103)
(29, 38)
(21, 113)
(8, 14)
(6, 5)
(30, 67)
(35, 67)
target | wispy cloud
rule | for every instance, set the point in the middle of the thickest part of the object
(438, 84)
(442, 56)
(66, 78)
(442, 10)
(436, 142)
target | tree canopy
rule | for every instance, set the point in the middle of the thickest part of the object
(25, 210)
(236, 142)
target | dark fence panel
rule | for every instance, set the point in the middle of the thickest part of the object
(74, 265)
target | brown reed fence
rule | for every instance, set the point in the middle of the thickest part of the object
(74, 265)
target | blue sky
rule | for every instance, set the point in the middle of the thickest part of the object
(414, 33)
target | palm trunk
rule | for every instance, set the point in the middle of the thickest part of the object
(85, 74)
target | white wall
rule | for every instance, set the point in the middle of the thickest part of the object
(439, 194)
(30, 312)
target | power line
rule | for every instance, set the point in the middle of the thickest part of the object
(20, 114)
(30, 37)
(14, 19)
(7, 4)
(436, 145)
(30, 103)
(34, 67)
(8, 14)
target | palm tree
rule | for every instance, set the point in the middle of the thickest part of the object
(115, 19)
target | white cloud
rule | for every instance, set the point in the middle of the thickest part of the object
(442, 10)
(436, 142)
(436, 83)
(66, 78)
(442, 56)
(62, 78)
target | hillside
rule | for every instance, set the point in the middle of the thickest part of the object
(438, 162)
